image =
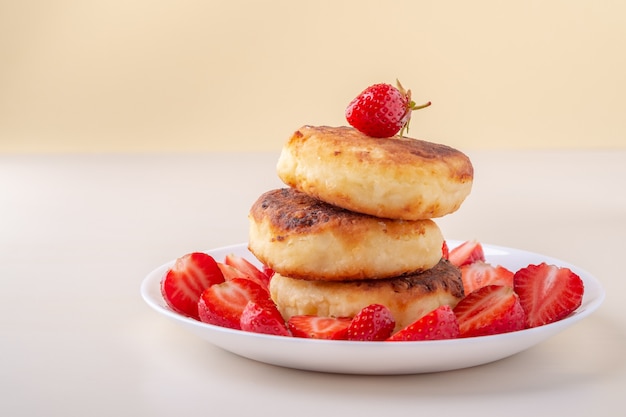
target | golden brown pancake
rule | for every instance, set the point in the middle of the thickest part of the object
(397, 178)
(409, 297)
(302, 237)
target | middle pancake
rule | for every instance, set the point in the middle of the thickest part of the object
(301, 237)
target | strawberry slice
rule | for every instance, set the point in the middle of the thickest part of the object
(445, 250)
(466, 253)
(230, 272)
(548, 293)
(373, 323)
(479, 274)
(439, 324)
(263, 317)
(316, 327)
(493, 309)
(248, 269)
(268, 271)
(186, 281)
(224, 303)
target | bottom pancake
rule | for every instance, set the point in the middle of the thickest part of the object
(408, 297)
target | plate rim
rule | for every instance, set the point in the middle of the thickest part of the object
(592, 299)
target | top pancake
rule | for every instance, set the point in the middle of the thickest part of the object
(397, 178)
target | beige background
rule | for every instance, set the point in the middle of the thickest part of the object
(143, 75)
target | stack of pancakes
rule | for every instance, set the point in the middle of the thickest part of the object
(355, 225)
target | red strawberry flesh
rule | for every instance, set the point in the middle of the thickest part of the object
(230, 272)
(373, 323)
(466, 253)
(223, 304)
(316, 327)
(479, 274)
(187, 279)
(493, 309)
(548, 293)
(263, 317)
(439, 324)
(247, 269)
(445, 250)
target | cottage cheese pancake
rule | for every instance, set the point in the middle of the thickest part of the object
(397, 178)
(409, 297)
(302, 237)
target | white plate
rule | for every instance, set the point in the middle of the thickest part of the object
(383, 358)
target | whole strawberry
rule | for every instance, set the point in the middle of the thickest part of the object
(382, 110)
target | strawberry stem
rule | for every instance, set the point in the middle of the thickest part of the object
(414, 107)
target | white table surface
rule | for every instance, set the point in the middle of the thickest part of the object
(78, 233)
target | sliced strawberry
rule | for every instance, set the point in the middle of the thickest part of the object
(223, 304)
(466, 253)
(445, 250)
(247, 269)
(230, 272)
(493, 309)
(268, 271)
(315, 327)
(263, 317)
(440, 323)
(374, 322)
(186, 281)
(479, 274)
(548, 293)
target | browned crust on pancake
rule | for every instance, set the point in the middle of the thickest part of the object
(397, 150)
(442, 277)
(408, 297)
(397, 178)
(292, 212)
(302, 237)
